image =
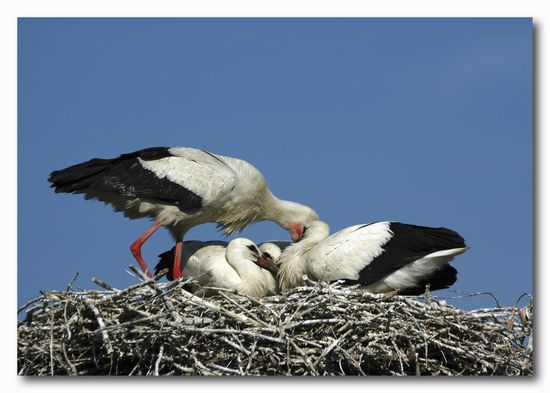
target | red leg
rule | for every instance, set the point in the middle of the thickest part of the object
(176, 272)
(136, 248)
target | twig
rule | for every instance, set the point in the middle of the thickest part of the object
(104, 285)
(101, 324)
(326, 329)
(247, 312)
(213, 307)
(51, 343)
(139, 273)
(236, 346)
(328, 349)
(225, 369)
(311, 367)
(70, 285)
(159, 358)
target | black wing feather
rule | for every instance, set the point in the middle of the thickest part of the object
(409, 243)
(166, 261)
(440, 279)
(125, 176)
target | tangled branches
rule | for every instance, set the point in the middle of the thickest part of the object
(161, 329)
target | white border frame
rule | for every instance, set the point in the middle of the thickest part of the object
(10, 10)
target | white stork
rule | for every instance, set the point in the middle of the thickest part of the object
(272, 250)
(382, 257)
(179, 188)
(270, 253)
(240, 265)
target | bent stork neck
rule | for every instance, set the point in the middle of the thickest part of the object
(250, 274)
(293, 259)
(286, 213)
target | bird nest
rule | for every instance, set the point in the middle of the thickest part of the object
(153, 328)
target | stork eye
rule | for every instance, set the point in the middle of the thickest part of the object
(268, 255)
(253, 249)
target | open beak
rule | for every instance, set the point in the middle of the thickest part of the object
(267, 264)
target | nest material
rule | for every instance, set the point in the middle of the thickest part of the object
(161, 329)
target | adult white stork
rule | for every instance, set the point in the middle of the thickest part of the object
(382, 257)
(239, 266)
(179, 188)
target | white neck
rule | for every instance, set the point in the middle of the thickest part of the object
(251, 276)
(293, 259)
(287, 213)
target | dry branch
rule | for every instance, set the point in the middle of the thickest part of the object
(161, 329)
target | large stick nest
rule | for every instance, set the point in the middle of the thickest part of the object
(161, 329)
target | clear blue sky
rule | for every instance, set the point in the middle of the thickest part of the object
(424, 121)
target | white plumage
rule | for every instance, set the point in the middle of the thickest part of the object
(347, 252)
(272, 253)
(272, 250)
(180, 188)
(381, 257)
(235, 266)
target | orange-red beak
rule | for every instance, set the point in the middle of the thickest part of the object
(296, 232)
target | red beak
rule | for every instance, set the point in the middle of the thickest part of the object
(296, 233)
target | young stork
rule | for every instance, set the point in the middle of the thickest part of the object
(180, 187)
(270, 253)
(382, 257)
(240, 265)
(272, 250)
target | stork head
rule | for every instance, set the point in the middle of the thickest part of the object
(242, 248)
(315, 230)
(271, 251)
(294, 217)
(296, 232)
(248, 250)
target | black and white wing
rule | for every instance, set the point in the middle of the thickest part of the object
(401, 254)
(346, 253)
(185, 177)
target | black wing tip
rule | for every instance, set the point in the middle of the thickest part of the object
(148, 154)
(441, 279)
(123, 176)
(445, 237)
(453, 234)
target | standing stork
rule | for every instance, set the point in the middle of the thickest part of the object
(382, 257)
(181, 187)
